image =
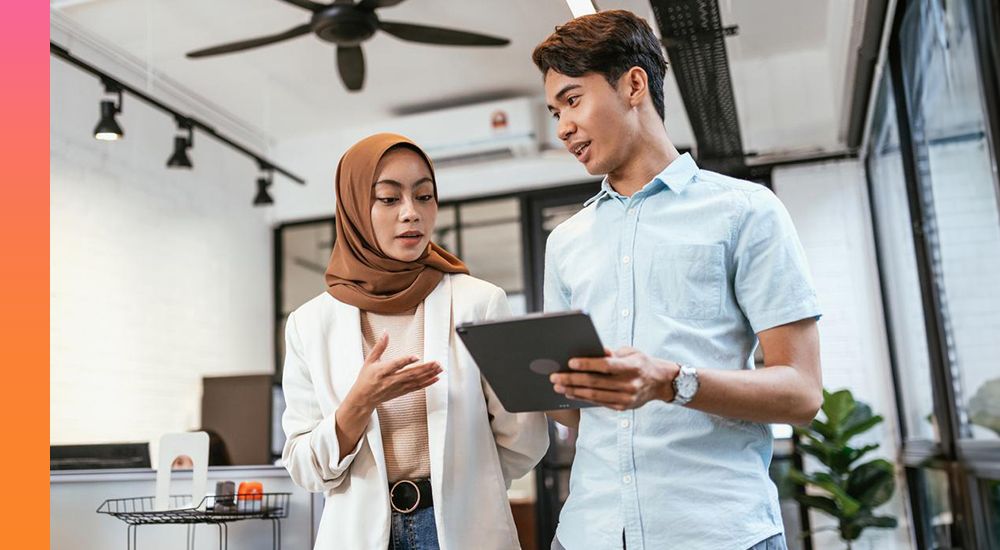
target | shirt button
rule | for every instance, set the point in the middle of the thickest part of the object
(626, 260)
(627, 479)
(625, 312)
(631, 211)
(624, 423)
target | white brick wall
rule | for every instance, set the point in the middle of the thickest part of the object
(158, 277)
(828, 203)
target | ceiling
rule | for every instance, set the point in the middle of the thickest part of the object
(789, 61)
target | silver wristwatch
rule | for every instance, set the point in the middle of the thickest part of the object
(685, 385)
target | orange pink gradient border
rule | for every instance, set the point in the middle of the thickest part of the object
(24, 226)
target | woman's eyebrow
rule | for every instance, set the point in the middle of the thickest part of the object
(397, 184)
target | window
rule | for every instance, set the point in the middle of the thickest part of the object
(491, 245)
(898, 267)
(303, 254)
(991, 492)
(935, 162)
(958, 192)
(932, 507)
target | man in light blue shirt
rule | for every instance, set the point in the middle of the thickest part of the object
(683, 271)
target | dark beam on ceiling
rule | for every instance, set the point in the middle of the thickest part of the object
(694, 38)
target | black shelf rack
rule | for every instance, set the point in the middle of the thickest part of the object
(218, 510)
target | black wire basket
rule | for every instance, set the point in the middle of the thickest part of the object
(211, 509)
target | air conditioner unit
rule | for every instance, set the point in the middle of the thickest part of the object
(474, 133)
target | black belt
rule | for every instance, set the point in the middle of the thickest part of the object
(406, 496)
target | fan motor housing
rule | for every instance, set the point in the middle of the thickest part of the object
(344, 25)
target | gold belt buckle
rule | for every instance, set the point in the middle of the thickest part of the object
(393, 490)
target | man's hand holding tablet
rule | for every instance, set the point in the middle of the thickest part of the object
(624, 379)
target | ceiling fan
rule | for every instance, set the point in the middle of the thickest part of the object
(348, 24)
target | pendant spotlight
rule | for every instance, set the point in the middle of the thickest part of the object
(179, 158)
(107, 128)
(263, 198)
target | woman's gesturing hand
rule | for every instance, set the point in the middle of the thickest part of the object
(379, 381)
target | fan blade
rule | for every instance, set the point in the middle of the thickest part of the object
(251, 43)
(306, 4)
(351, 63)
(373, 4)
(437, 35)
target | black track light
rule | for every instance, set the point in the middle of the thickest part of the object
(263, 198)
(107, 128)
(179, 158)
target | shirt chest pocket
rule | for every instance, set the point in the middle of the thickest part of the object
(686, 281)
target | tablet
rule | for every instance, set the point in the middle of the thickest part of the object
(518, 354)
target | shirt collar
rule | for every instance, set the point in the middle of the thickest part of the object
(676, 176)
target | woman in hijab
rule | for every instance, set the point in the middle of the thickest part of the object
(385, 412)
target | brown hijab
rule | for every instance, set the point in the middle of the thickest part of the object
(359, 273)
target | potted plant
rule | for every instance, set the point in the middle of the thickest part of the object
(849, 491)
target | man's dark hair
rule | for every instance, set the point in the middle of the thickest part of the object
(609, 43)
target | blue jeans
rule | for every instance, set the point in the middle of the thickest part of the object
(413, 531)
(777, 542)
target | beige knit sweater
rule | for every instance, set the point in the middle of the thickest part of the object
(403, 421)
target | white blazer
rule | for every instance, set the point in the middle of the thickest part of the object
(476, 446)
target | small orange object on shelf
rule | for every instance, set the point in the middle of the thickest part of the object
(250, 490)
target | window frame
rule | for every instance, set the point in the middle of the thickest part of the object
(969, 463)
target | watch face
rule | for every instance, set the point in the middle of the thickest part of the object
(687, 385)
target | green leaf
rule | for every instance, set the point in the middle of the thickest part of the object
(872, 483)
(847, 504)
(818, 451)
(859, 413)
(851, 529)
(825, 504)
(865, 450)
(797, 477)
(860, 427)
(837, 407)
(842, 458)
(822, 428)
(822, 443)
(812, 437)
(821, 477)
(885, 522)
